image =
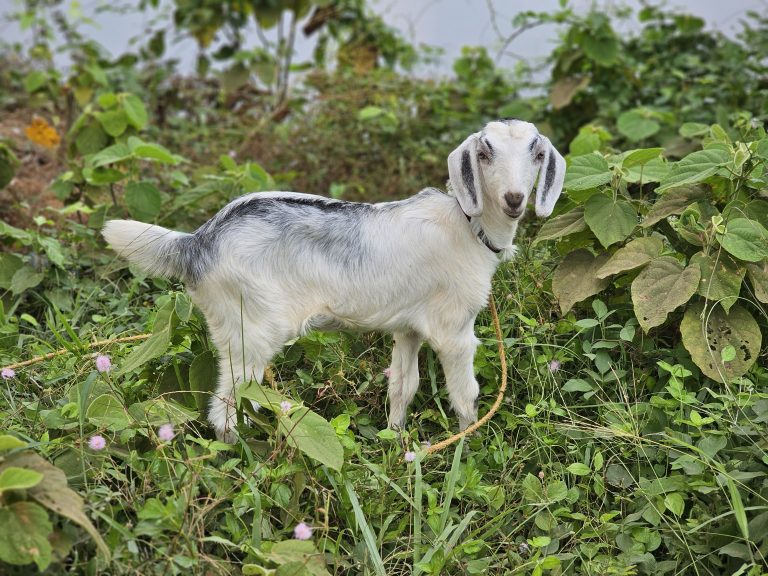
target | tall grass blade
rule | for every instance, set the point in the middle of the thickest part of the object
(365, 528)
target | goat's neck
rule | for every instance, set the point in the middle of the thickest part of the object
(499, 228)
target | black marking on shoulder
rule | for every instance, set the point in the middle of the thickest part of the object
(550, 175)
(468, 177)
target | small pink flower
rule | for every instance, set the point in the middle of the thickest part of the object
(388, 373)
(103, 363)
(541, 474)
(8, 373)
(302, 531)
(97, 442)
(554, 366)
(410, 456)
(285, 405)
(165, 433)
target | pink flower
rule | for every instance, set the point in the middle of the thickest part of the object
(554, 366)
(388, 372)
(8, 373)
(166, 433)
(103, 363)
(97, 442)
(302, 531)
(410, 456)
(285, 405)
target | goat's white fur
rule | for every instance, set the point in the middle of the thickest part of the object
(272, 265)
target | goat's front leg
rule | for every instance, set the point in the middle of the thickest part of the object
(403, 375)
(457, 354)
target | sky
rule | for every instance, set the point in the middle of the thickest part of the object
(447, 24)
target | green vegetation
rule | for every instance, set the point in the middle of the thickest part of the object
(634, 439)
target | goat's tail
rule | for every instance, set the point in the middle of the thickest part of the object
(153, 249)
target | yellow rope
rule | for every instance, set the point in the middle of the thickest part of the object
(61, 351)
(448, 441)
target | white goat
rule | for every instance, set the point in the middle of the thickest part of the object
(272, 265)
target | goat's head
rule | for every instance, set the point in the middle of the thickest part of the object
(500, 165)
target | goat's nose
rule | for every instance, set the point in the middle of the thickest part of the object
(514, 199)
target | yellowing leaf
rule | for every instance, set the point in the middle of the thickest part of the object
(42, 133)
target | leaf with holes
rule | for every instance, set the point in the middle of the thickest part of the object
(637, 253)
(758, 276)
(575, 278)
(694, 168)
(674, 201)
(563, 225)
(610, 220)
(660, 288)
(587, 171)
(705, 338)
(721, 278)
(746, 239)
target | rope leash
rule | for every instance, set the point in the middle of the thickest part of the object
(502, 357)
(431, 450)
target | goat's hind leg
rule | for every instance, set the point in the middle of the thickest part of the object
(403, 375)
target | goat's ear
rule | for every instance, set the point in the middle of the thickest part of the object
(551, 178)
(465, 177)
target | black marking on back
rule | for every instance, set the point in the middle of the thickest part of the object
(468, 177)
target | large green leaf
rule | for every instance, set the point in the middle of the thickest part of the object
(563, 225)
(313, 435)
(746, 239)
(266, 397)
(674, 201)
(13, 478)
(106, 411)
(134, 110)
(706, 337)
(24, 278)
(9, 265)
(655, 170)
(640, 157)
(694, 168)
(114, 122)
(587, 171)
(157, 344)
(610, 220)
(660, 288)
(297, 551)
(721, 278)
(25, 529)
(635, 254)
(575, 278)
(54, 493)
(115, 153)
(637, 124)
(143, 200)
(159, 411)
(758, 275)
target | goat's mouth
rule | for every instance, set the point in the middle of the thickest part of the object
(514, 213)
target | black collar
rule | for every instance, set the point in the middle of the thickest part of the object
(483, 238)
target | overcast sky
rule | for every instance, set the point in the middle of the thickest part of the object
(447, 24)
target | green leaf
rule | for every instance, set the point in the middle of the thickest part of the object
(13, 478)
(26, 528)
(728, 353)
(114, 122)
(115, 153)
(636, 253)
(369, 112)
(694, 168)
(655, 170)
(8, 165)
(660, 288)
(134, 110)
(674, 201)
(674, 503)
(35, 80)
(8, 442)
(202, 378)
(9, 265)
(577, 385)
(91, 139)
(313, 435)
(563, 225)
(705, 339)
(587, 171)
(155, 152)
(692, 129)
(602, 47)
(266, 397)
(152, 348)
(24, 278)
(575, 278)
(579, 469)
(611, 221)
(758, 276)
(106, 411)
(160, 411)
(637, 124)
(746, 239)
(143, 200)
(640, 157)
(299, 551)
(721, 278)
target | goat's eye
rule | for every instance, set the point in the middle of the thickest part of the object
(540, 157)
(482, 156)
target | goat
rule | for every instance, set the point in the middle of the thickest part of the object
(273, 265)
